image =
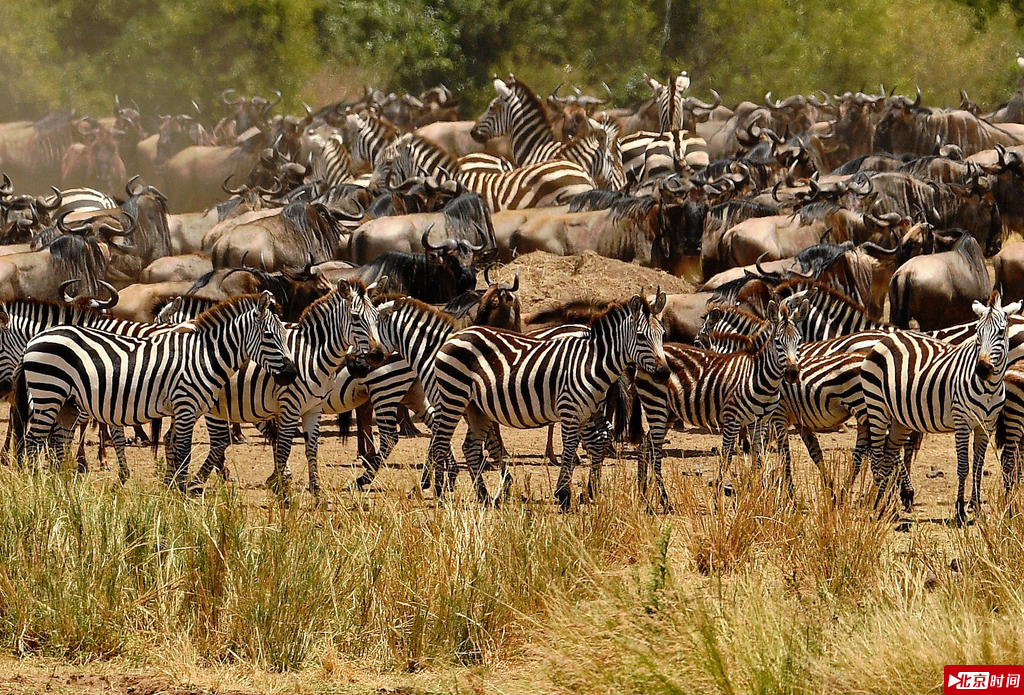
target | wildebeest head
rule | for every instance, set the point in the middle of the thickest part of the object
(571, 113)
(250, 112)
(499, 306)
(457, 255)
(128, 120)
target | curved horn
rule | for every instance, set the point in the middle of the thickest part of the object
(128, 187)
(515, 284)
(112, 297)
(917, 101)
(487, 276)
(63, 289)
(554, 95)
(224, 98)
(775, 192)
(821, 239)
(425, 240)
(757, 265)
(62, 226)
(771, 104)
(236, 191)
(275, 102)
(873, 248)
(58, 199)
(8, 188)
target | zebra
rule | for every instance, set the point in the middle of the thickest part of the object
(489, 375)
(332, 164)
(914, 383)
(125, 380)
(725, 392)
(648, 156)
(368, 137)
(321, 341)
(537, 185)
(669, 100)
(1010, 428)
(519, 113)
(80, 200)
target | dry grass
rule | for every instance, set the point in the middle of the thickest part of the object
(753, 593)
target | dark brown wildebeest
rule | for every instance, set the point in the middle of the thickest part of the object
(937, 290)
(908, 128)
(96, 162)
(31, 152)
(249, 113)
(850, 135)
(192, 178)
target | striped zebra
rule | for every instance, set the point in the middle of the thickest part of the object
(519, 113)
(320, 341)
(1010, 428)
(331, 164)
(914, 383)
(80, 200)
(648, 156)
(669, 100)
(724, 392)
(489, 375)
(538, 185)
(124, 380)
(367, 138)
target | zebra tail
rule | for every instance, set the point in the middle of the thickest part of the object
(902, 303)
(154, 436)
(1001, 430)
(19, 413)
(345, 425)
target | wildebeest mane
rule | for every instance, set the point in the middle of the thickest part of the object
(596, 199)
(78, 258)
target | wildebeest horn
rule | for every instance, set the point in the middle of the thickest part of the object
(917, 101)
(128, 187)
(863, 189)
(112, 297)
(62, 225)
(873, 248)
(234, 191)
(224, 98)
(58, 198)
(775, 192)
(199, 111)
(8, 188)
(309, 113)
(487, 275)
(660, 299)
(821, 239)
(809, 275)
(63, 289)
(275, 102)
(554, 95)
(771, 104)
(515, 284)
(757, 264)
(425, 241)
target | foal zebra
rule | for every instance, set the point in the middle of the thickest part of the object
(913, 383)
(726, 392)
(538, 185)
(332, 164)
(489, 375)
(124, 380)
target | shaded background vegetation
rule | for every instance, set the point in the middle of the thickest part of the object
(78, 53)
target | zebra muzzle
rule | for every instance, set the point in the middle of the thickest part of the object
(287, 375)
(984, 367)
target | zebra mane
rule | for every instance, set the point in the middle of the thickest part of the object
(229, 308)
(794, 285)
(527, 95)
(422, 307)
(321, 302)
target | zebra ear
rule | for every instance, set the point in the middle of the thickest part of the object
(263, 305)
(5, 319)
(978, 308)
(636, 304)
(800, 312)
(1012, 308)
(773, 311)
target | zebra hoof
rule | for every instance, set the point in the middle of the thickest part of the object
(907, 498)
(960, 517)
(362, 482)
(194, 490)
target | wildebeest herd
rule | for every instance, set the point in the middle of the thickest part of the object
(272, 268)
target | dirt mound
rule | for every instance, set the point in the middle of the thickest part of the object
(545, 279)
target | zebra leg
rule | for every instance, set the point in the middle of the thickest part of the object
(963, 444)
(570, 440)
(440, 449)
(117, 439)
(472, 450)
(311, 433)
(595, 440)
(364, 442)
(184, 427)
(810, 440)
(280, 479)
(496, 450)
(730, 432)
(981, 437)
(80, 457)
(220, 440)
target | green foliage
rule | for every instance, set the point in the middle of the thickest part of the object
(79, 53)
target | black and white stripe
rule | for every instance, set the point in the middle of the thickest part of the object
(489, 375)
(914, 383)
(124, 380)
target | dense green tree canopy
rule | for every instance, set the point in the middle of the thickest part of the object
(79, 53)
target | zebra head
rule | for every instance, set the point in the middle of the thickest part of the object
(500, 115)
(784, 320)
(362, 333)
(991, 342)
(645, 346)
(263, 340)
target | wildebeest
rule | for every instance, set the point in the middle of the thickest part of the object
(436, 276)
(96, 162)
(193, 177)
(937, 290)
